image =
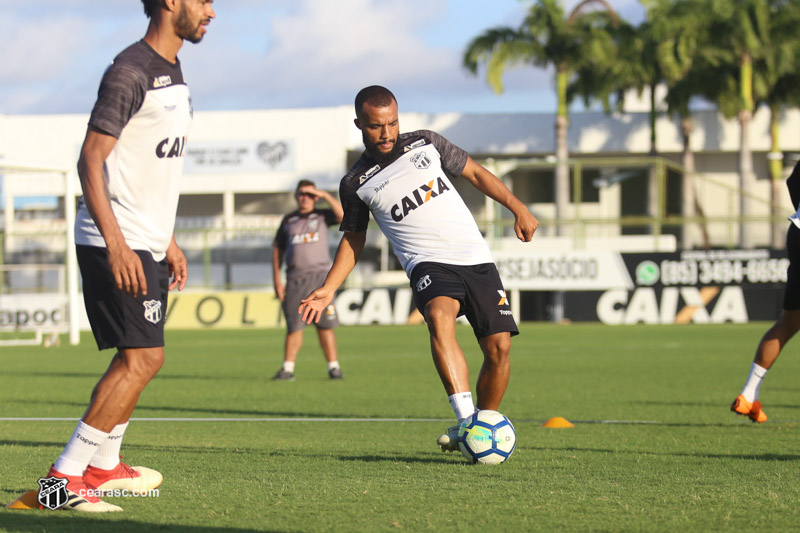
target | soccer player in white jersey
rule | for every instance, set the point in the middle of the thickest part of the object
(788, 323)
(130, 167)
(403, 180)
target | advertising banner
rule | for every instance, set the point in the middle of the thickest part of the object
(254, 156)
(693, 286)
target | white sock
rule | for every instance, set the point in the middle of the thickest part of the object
(79, 450)
(462, 405)
(288, 366)
(753, 383)
(107, 455)
(333, 364)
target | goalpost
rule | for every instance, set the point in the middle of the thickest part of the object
(57, 182)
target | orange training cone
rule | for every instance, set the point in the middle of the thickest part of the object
(28, 500)
(558, 422)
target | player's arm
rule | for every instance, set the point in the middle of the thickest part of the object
(336, 206)
(525, 223)
(347, 254)
(277, 261)
(125, 264)
(178, 269)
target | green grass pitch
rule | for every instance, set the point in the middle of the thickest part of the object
(654, 448)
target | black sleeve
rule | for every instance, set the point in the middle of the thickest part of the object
(121, 94)
(454, 159)
(280, 236)
(793, 184)
(356, 212)
(330, 217)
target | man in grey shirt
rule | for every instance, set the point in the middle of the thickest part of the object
(302, 243)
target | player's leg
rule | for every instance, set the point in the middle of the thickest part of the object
(113, 400)
(325, 328)
(776, 338)
(438, 295)
(489, 312)
(773, 341)
(495, 371)
(291, 347)
(116, 394)
(440, 316)
(769, 348)
(294, 331)
(118, 320)
(327, 341)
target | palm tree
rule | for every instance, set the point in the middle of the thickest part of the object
(546, 37)
(680, 31)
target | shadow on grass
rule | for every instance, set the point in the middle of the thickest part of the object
(165, 376)
(65, 521)
(753, 457)
(139, 412)
(707, 404)
(433, 459)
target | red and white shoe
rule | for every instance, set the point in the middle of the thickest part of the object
(134, 479)
(80, 496)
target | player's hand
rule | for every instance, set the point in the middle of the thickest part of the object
(313, 305)
(126, 266)
(525, 225)
(178, 270)
(314, 192)
(280, 291)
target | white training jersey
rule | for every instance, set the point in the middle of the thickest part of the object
(144, 102)
(414, 203)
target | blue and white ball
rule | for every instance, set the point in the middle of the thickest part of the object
(487, 437)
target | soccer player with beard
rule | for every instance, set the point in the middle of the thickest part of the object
(403, 180)
(130, 167)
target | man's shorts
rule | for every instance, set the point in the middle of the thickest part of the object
(791, 293)
(476, 287)
(296, 290)
(118, 319)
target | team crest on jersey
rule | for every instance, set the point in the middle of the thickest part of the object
(421, 160)
(415, 144)
(423, 283)
(152, 311)
(162, 81)
(423, 194)
(368, 174)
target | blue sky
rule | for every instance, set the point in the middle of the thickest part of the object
(267, 54)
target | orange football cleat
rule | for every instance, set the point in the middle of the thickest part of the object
(753, 410)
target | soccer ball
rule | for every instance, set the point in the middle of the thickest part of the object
(487, 437)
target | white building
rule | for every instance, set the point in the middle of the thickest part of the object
(240, 164)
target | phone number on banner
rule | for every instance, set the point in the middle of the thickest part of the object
(723, 271)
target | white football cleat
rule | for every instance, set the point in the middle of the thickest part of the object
(449, 441)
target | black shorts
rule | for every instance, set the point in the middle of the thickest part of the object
(791, 293)
(296, 290)
(118, 319)
(476, 287)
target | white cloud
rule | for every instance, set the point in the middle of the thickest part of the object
(281, 53)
